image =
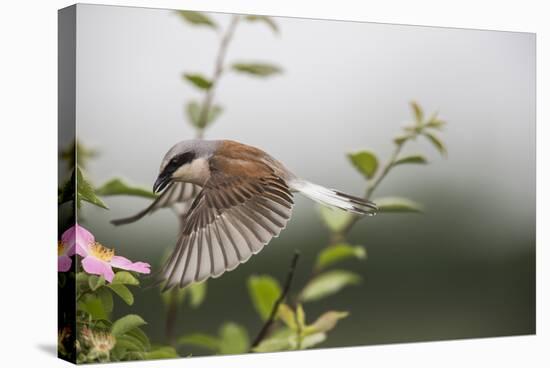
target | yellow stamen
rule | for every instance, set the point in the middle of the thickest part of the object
(60, 248)
(101, 252)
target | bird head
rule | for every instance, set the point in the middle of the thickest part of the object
(185, 161)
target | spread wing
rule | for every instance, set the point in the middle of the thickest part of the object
(177, 193)
(231, 219)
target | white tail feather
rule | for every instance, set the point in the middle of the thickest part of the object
(334, 198)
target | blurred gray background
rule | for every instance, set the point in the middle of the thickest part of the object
(464, 268)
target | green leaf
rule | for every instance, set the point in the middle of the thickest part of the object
(125, 277)
(397, 204)
(85, 191)
(123, 292)
(339, 252)
(198, 81)
(194, 111)
(434, 122)
(197, 18)
(438, 144)
(197, 294)
(312, 340)
(81, 278)
(411, 159)
(326, 322)
(92, 305)
(333, 218)
(286, 339)
(129, 343)
(300, 317)
(126, 324)
(77, 154)
(61, 280)
(418, 113)
(67, 192)
(134, 355)
(287, 315)
(164, 352)
(117, 186)
(399, 140)
(141, 336)
(201, 340)
(278, 341)
(95, 282)
(264, 291)
(257, 69)
(177, 293)
(233, 339)
(267, 20)
(364, 161)
(106, 299)
(328, 283)
(214, 112)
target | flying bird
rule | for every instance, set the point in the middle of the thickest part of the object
(237, 198)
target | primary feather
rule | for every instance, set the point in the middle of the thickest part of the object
(231, 219)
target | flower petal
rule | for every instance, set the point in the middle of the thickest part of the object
(96, 266)
(64, 263)
(79, 239)
(69, 251)
(126, 264)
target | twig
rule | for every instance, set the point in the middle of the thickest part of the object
(171, 317)
(385, 170)
(372, 187)
(218, 70)
(265, 328)
(172, 314)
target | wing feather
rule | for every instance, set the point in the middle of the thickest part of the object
(231, 219)
(178, 194)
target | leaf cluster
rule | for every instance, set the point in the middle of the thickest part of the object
(202, 114)
(94, 308)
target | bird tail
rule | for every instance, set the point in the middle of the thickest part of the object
(334, 198)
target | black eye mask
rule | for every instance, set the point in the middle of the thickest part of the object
(176, 162)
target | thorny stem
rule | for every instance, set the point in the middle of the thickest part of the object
(267, 325)
(218, 71)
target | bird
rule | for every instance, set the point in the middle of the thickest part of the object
(236, 198)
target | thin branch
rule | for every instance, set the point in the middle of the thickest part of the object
(218, 70)
(171, 317)
(265, 328)
(372, 187)
(172, 314)
(385, 170)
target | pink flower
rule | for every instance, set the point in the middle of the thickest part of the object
(97, 259)
(65, 250)
(64, 254)
(100, 260)
(77, 238)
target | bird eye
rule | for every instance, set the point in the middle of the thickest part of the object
(179, 160)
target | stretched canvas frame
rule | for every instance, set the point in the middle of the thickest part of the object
(357, 106)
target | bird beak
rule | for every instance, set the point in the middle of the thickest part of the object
(161, 183)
